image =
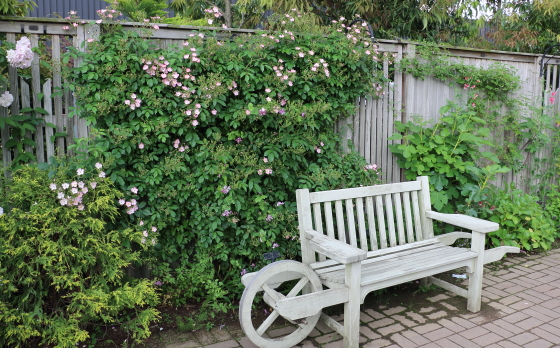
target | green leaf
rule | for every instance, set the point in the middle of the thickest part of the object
(41, 111)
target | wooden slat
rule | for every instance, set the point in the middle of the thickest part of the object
(399, 217)
(36, 89)
(380, 254)
(4, 137)
(408, 217)
(340, 221)
(361, 223)
(14, 90)
(71, 127)
(59, 118)
(387, 262)
(390, 220)
(351, 223)
(425, 205)
(416, 212)
(381, 222)
(365, 191)
(329, 219)
(48, 118)
(318, 223)
(405, 267)
(25, 103)
(371, 223)
(388, 123)
(367, 129)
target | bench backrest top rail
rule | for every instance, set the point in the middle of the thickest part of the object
(362, 192)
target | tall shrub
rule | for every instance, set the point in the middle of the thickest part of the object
(217, 136)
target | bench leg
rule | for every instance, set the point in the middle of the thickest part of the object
(475, 278)
(352, 307)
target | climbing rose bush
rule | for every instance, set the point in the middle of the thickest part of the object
(22, 56)
(216, 136)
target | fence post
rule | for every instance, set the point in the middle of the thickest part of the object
(408, 85)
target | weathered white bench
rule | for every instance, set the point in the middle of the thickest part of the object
(358, 240)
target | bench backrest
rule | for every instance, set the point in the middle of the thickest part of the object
(370, 218)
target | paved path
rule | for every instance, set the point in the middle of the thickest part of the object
(521, 308)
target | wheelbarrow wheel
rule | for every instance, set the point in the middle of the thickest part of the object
(267, 280)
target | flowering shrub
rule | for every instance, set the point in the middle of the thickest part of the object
(22, 56)
(217, 135)
(62, 263)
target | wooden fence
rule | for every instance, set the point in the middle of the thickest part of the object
(368, 129)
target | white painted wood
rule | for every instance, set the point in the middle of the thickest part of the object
(350, 193)
(273, 281)
(408, 217)
(317, 217)
(304, 223)
(390, 221)
(340, 230)
(351, 223)
(448, 286)
(352, 306)
(475, 278)
(333, 324)
(329, 219)
(450, 238)
(361, 223)
(399, 218)
(416, 212)
(257, 284)
(381, 254)
(465, 221)
(425, 206)
(334, 249)
(371, 223)
(304, 306)
(385, 262)
(496, 254)
(381, 222)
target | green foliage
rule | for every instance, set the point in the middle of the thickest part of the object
(494, 83)
(16, 7)
(61, 265)
(447, 152)
(217, 159)
(138, 10)
(522, 220)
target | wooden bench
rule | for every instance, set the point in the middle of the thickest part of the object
(358, 240)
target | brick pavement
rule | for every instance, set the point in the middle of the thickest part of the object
(521, 308)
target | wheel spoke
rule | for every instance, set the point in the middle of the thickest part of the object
(268, 321)
(302, 282)
(274, 295)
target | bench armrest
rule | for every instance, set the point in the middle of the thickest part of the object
(334, 249)
(465, 221)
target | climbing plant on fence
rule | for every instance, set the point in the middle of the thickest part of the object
(217, 135)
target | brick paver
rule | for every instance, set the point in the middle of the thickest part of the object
(521, 309)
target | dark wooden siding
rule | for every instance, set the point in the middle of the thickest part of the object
(87, 9)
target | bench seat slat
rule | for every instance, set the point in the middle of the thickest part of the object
(387, 260)
(380, 252)
(405, 265)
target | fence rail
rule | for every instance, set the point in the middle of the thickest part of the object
(368, 129)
